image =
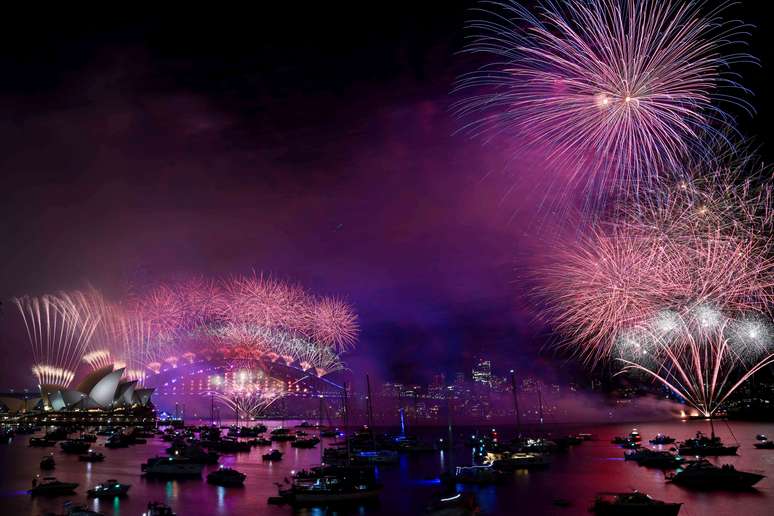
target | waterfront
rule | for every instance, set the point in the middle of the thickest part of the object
(575, 476)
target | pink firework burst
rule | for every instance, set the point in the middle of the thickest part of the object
(335, 323)
(615, 93)
(700, 243)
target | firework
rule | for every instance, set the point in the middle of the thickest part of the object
(335, 324)
(616, 93)
(702, 355)
(701, 243)
(59, 328)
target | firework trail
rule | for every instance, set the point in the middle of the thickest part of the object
(677, 286)
(701, 355)
(615, 93)
(335, 323)
(59, 328)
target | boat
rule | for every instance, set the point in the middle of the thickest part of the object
(331, 485)
(75, 446)
(197, 454)
(109, 489)
(50, 486)
(79, 510)
(662, 460)
(453, 504)
(305, 443)
(508, 461)
(171, 467)
(226, 477)
(703, 446)
(761, 437)
(47, 462)
(765, 445)
(328, 433)
(632, 504)
(158, 509)
(40, 442)
(662, 439)
(91, 456)
(703, 475)
(272, 455)
(89, 438)
(376, 457)
(117, 440)
(482, 475)
(282, 434)
(261, 441)
(586, 437)
(229, 446)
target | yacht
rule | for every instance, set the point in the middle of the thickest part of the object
(305, 443)
(507, 461)
(703, 446)
(109, 489)
(330, 485)
(272, 455)
(75, 446)
(91, 456)
(703, 475)
(282, 434)
(765, 445)
(478, 475)
(171, 467)
(632, 504)
(662, 439)
(50, 486)
(226, 477)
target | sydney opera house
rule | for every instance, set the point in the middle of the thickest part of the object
(102, 394)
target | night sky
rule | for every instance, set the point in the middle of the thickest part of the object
(313, 144)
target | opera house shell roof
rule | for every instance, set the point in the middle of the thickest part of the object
(101, 389)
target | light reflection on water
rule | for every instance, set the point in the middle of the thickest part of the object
(575, 476)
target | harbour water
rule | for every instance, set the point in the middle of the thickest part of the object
(574, 476)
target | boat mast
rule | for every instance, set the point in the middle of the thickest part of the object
(370, 409)
(516, 403)
(345, 413)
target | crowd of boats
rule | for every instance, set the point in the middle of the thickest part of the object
(347, 473)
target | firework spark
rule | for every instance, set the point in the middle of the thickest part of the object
(701, 243)
(59, 328)
(616, 93)
(703, 356)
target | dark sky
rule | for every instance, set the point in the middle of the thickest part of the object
(312, 143)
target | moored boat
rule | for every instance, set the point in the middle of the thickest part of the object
(273, 455)
(662, 439)
(703, 475)
(765, 445)
(171, 467)
(50, 486)
(75, 446)
(703, 446)
(226, 477)
(109, 489)
(332, 485)
(481, 475)
(632, 504)
(305, 443)
(91, 456)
